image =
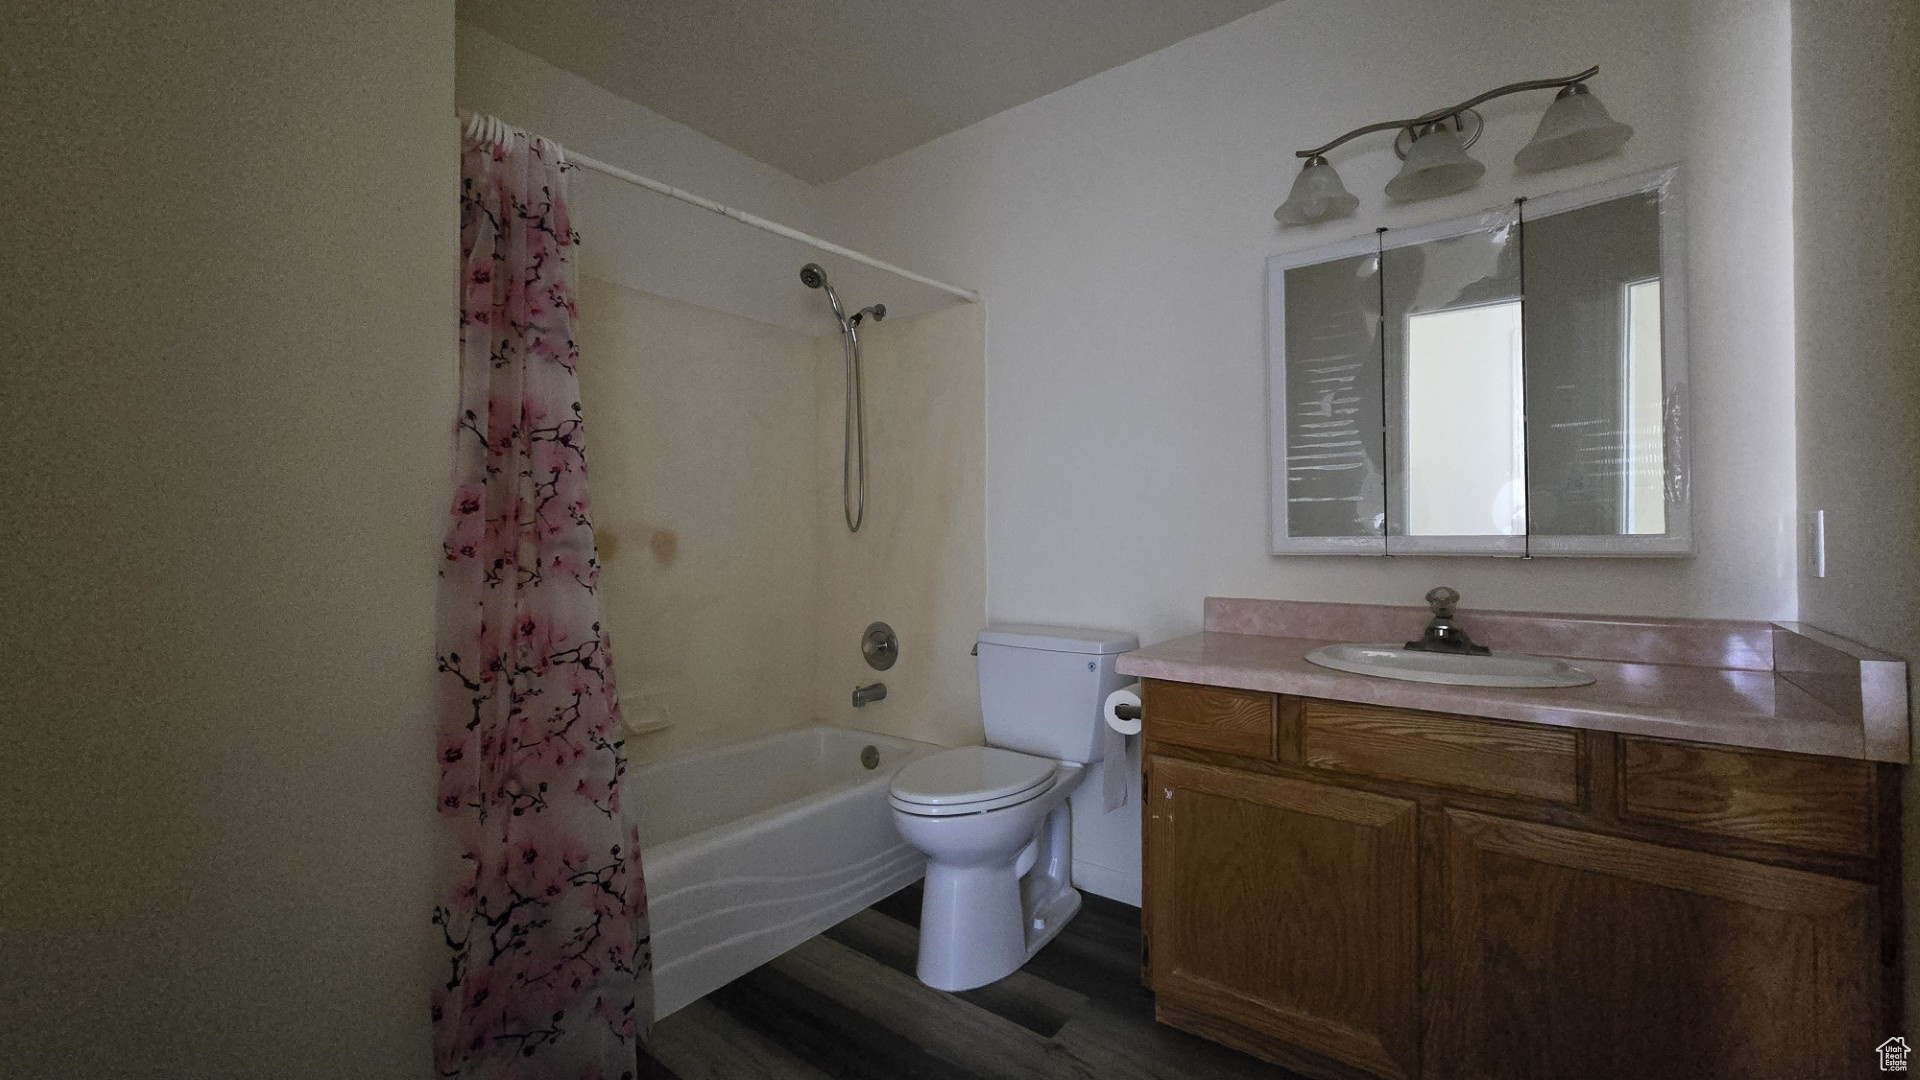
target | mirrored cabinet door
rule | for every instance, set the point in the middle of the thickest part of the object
(1329, 476)
(1455, 402)
(1605, 371)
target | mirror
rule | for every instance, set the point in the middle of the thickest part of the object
(1507, 384)
(1331, 431)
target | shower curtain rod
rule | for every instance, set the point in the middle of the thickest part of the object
(754, 220)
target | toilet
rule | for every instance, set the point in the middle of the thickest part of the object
(993, 820)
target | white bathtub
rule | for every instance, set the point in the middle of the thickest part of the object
(752, 848)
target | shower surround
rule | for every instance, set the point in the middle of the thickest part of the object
(735, 594)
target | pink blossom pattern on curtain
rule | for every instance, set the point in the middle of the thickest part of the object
(546, 969)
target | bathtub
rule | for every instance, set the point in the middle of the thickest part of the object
(752, 848)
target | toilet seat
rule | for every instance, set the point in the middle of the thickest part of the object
(970, 780)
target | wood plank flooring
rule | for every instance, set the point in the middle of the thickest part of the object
(846, 1006)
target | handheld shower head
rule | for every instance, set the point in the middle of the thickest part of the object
(815, 278)
(853, 446)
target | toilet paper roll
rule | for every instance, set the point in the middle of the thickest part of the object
(1126, 695)
(1117, 772)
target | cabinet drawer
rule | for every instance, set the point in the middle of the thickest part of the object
(1820, 804)
(1210, 718)
(1488, 756)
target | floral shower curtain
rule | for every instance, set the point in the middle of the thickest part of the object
(546, 970)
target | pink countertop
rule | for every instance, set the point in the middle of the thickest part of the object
(1746, 705)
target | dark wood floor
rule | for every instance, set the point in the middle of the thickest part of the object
(846, 1005)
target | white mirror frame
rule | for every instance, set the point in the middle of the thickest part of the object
(1676, 541)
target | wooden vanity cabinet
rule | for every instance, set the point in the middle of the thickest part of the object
(1291, 909)
(1353, 892)
(1566, 954)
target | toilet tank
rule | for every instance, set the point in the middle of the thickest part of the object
(1042, 687)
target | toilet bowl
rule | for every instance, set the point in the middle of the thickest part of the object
(994, 820)
(997, 832)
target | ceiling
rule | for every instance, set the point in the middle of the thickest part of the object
(820, 88)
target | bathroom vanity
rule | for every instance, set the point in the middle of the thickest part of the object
(1688, 869)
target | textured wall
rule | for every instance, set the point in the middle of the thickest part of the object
(1856, 150)
(229, 373)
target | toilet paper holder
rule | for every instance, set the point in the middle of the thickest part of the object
(1127, 712)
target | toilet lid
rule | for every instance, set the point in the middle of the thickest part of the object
(970, 774)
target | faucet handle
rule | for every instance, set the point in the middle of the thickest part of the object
(1441, 601)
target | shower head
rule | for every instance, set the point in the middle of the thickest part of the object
(815, 278)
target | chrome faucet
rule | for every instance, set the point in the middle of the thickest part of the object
(1443, 635)
(864, 694)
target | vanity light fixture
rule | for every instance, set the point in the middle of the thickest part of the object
(1317, 195)
(1576, 128)
(1436, 163)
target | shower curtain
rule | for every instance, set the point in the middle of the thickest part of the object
(545, 970)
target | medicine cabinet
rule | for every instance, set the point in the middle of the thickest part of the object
(1511, 383)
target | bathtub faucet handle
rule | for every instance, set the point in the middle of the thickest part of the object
(864, 694)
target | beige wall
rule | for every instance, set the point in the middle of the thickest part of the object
(918, 562)
(701, 433)
(228, 376)
(1856, 93)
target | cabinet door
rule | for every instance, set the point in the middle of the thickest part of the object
(1570, 955)
(1287, 908)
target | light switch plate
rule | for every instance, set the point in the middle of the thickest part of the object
(1813, 546)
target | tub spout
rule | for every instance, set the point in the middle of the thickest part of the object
(864, 694)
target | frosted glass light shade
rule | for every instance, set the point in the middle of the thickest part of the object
(1317, 195)
(1576, 128)
(1437, 164)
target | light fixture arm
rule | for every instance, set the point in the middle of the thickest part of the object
(1441, 114)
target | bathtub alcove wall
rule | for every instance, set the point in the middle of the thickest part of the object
(734, 593)
(736, 597)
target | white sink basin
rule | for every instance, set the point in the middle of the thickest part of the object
(1499, 669)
